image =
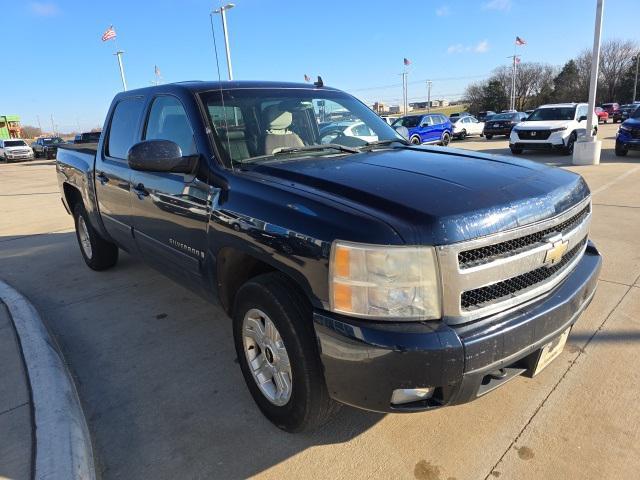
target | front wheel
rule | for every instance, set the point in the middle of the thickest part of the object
(462, 135)
(620, 150)
(415, 140)
(446, 138)
(568, 148)
(488, 136)
(98, 253)
(278, 354)
(516, 150)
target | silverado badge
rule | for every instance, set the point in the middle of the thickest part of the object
(558, 248)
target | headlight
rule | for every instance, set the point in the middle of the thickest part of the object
(559, 129)
(624, 129)
(386, 282)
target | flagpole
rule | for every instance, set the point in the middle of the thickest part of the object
(513, 76)
(124, 82)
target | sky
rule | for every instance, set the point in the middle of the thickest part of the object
(61, 68)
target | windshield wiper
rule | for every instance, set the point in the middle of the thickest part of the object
(311, 148)
(383, 143)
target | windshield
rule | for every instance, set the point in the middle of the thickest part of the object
(553, 113)
(14, 143)
(409, 122)
(91, 137)
(254, 125)
(49, 141)
(503, 116)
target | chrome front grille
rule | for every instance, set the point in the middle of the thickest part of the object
(495, 273)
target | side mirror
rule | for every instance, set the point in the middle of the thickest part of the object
(160, 156)
(582, 118)
(403, 131)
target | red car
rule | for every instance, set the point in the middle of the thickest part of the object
(611, 108)
(603, 115)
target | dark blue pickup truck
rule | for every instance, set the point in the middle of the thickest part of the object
(357, 269)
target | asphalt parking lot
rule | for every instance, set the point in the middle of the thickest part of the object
(164, 397)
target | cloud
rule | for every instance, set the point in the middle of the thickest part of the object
(504, 5)
(480, 47)
(443, 11)
(44, 9)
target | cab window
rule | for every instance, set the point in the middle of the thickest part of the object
(168, 121)
(124, 127)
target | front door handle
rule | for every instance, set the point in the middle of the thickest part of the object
(102, 178)
(140, 191)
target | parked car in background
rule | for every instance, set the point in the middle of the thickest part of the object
(88, 137)
(465, 126)
(458, 114)
(529, 112)
(389, 119)
(360, 130)
(554, 126)
(603, 116)
(15, 149)
(611, 108)
(502, 123)
(628, 136)
(484, 115)
(430, 128)
(624, 112)
(46, 147)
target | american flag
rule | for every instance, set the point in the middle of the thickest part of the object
(307, 78)
(520, 41)
(109, 34)
(407, 61)
(517, 60)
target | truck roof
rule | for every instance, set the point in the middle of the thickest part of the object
(560, 105)
(196, 86)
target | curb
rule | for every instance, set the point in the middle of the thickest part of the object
(62, 442)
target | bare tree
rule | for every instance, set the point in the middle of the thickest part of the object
(616, 57)
(534, 83)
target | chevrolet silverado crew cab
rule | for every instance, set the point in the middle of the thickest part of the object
(371, 272)
(555, 126)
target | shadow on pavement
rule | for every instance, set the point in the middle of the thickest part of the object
(155, 367)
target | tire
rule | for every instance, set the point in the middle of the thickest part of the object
(98, 253)
(620, 150)
(488, 136)
(416, 140)
(568, 149)
(463, 135)
(516, 151)
(445, 139)
(271, 297)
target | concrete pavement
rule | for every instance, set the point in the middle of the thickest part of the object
(155, 365)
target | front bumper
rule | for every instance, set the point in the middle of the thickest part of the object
(364, 362)
(22, 156)
(497, 131)
(627, 141)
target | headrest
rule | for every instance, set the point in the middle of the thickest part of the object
(231, 134)
(276, 119)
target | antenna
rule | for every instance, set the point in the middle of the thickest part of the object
(319, 83)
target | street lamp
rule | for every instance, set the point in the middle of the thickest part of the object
(222, 11)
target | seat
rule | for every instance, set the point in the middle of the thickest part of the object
(278, 134)
(235, 144)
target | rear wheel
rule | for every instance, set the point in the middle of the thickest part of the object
(278, 354)
(488, 136)
(98, 253)
(446, 138)
(416, 140)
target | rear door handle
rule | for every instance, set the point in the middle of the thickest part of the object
(102, 178)
(140, 191)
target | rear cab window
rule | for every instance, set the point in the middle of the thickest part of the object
(123, 129)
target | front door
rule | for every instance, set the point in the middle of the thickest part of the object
(113, 176)
(170, 210)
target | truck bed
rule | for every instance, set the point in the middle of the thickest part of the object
(90, 148)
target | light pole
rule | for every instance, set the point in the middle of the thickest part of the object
(429, 82)
(222, 11)
(635, 84)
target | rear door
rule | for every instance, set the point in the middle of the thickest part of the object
(113, 176)
(170, 210)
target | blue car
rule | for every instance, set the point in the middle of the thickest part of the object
(429, 128)
(628, 137)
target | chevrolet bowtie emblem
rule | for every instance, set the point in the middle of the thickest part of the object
(558, 248)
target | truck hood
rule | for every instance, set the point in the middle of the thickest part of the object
(436, 196)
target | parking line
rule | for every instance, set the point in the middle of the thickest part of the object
(614, 181)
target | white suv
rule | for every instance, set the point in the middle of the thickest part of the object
(15, 149)
(551, 126)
